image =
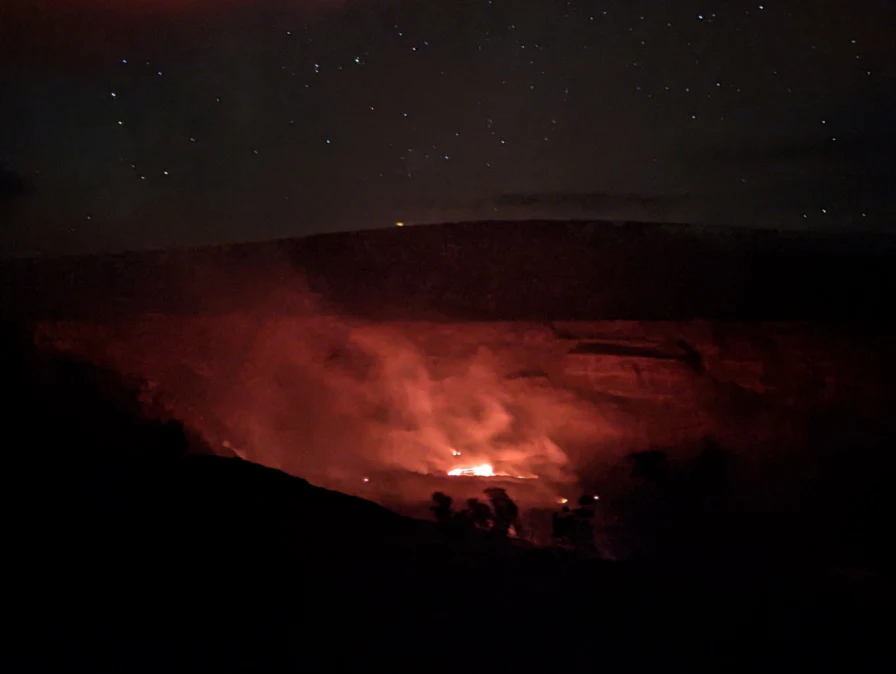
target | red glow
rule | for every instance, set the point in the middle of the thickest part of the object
(337, 401)
(380, 408)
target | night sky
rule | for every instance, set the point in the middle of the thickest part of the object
(181, 122)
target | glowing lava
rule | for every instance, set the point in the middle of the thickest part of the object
(486, 470)
(482, 470)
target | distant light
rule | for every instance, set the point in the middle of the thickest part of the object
(125, 61)
(563, 501)
(401, 224)
(367, 479)
(597, 498)
(113, 94)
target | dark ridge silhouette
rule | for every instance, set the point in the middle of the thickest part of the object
(543, 271)
(505, 512)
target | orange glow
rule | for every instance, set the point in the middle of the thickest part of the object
(486, 470)
(482, 470)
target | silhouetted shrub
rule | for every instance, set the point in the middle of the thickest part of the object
(478, 514)
(651, 465)
(441, 507)
(506, 512)
(75, 413)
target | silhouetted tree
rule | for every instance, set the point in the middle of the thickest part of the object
(561, 521)
(586, 505)
(506, 512)
(582, 535)
(710, 484)
(712, 465)
(573, 528)
(441, 507)
(650, 465)
(480, 515)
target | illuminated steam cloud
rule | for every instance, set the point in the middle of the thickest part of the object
(318, 395)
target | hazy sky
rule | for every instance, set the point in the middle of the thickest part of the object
(175, 122)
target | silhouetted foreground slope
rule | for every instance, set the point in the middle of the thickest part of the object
(127, 554)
